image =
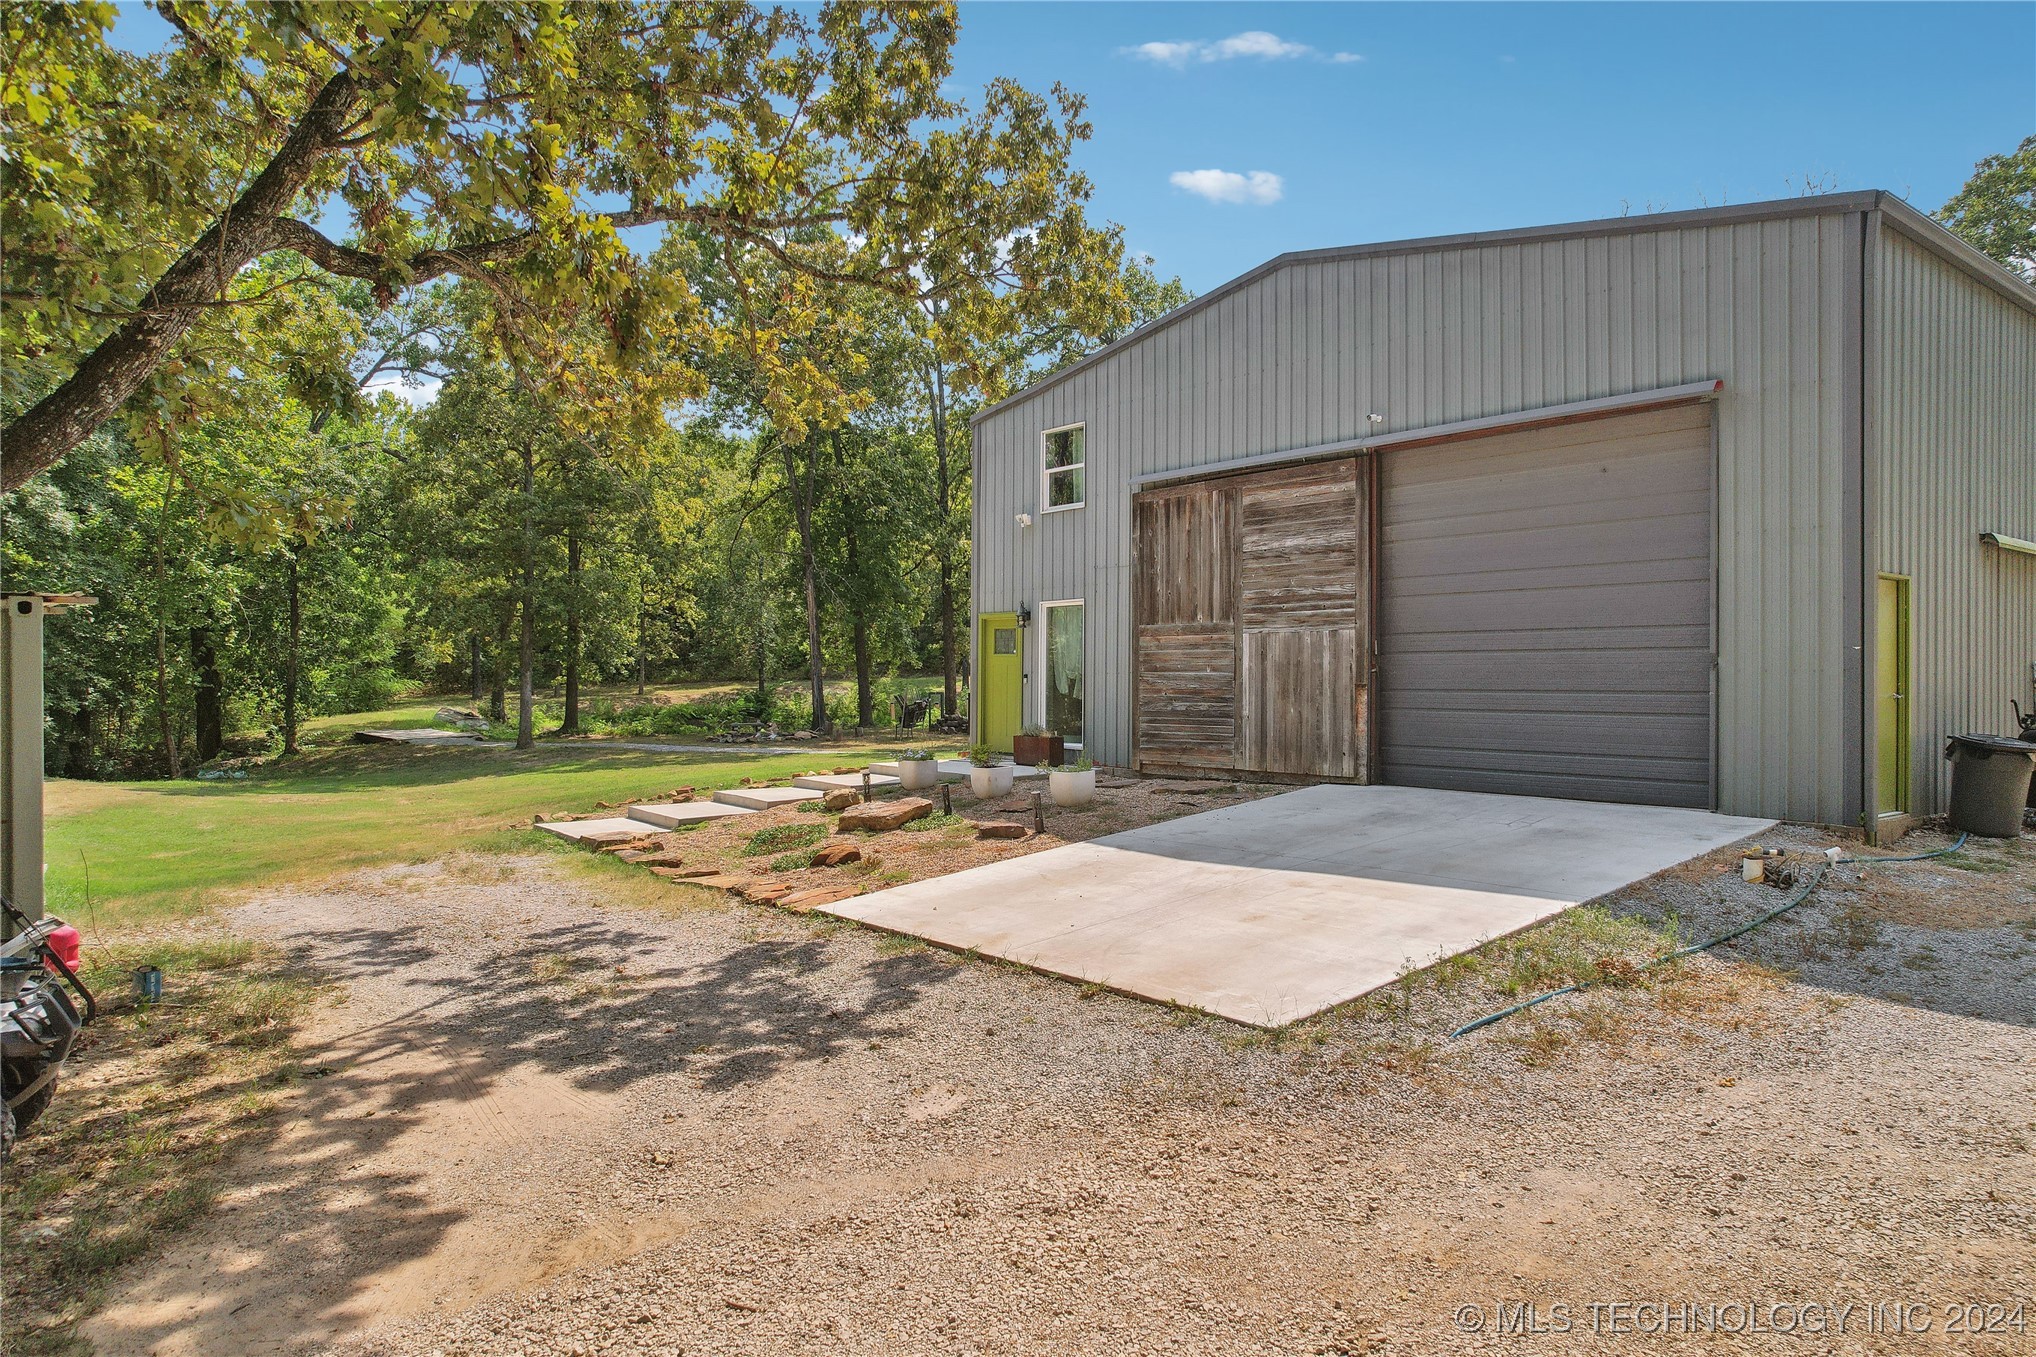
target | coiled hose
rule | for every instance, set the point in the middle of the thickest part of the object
(1802, 894)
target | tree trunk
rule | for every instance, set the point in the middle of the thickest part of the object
(802, 505)
(498, 696)
(865, 695)
(208, 696)
(163, 719)
(526, 646)
(480, 684)
(571, 724)
(292, 654)
(936, 382)
(127, 358)
(642, 635)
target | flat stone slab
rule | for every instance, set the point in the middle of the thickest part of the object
(763, 798)
(951, 768)
(593, 829)
(834, 782)
(1276, 909)
(684, 813)
(419, 735)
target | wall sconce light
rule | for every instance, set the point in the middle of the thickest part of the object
(1024, 616)
(1025, 520)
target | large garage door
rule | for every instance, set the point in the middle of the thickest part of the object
(1545, 611)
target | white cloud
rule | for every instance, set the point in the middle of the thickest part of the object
(1254, 43)
(1228, 186)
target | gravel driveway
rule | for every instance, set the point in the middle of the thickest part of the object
(549, 1126)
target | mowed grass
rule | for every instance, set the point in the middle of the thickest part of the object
(151, 850)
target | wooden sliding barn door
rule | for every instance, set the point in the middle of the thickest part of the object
(1252, 596)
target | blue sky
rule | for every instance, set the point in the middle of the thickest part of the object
(1465, 117)
(1331, 124)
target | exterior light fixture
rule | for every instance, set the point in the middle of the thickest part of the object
(1024, 616)
(1025, 520)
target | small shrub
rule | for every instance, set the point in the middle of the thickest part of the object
(790, 862)
(933, 821)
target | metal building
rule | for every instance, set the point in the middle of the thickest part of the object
(1727, 508)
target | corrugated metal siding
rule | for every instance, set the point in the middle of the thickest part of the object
(1956, 456)
(1303, 355)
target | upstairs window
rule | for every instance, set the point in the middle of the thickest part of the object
(1065, 458)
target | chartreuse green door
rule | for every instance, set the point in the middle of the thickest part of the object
(1000, 679)
(1891, 693)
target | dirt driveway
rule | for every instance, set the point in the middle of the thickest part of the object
(546, 1126)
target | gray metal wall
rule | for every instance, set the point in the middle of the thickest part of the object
(1953, 455)
(1438, 331)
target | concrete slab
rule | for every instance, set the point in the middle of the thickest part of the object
(763, 798)
(588, 829)
(1273, 910)
(684, 813)
(834, 782)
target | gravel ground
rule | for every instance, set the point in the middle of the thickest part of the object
(554, 1125)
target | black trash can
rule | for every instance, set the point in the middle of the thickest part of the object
(1990, 777)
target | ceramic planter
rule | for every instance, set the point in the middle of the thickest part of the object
(992, 781)
(917, 775)
(1071, 788)
(1029, 751)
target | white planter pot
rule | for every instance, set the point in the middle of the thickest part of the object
(992, 781)
(1071, 788)
(916, 775)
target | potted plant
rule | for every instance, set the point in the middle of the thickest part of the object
(1035, 745)
(1073, 784)
(917, 770)
(990, 773)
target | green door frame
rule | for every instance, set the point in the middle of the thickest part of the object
(1892, 679)
(1000, 681)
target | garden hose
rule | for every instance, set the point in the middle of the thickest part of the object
(1784, 907)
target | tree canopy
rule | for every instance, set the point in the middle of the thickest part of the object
(1995, 212)
(516, 145)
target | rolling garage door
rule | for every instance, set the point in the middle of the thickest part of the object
(1545, 611)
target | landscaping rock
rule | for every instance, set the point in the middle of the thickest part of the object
(763, 892)
(693, 874)
(877, 816)
(626, 844)
(837, 855)
(662, 858)
(841, 798)
(801, 901)
(721, 882)
(999, 829)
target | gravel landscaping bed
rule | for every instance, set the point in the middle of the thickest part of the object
(550, 1124)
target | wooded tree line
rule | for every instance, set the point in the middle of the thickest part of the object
(705, 295)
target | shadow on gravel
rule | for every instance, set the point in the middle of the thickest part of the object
(505, 1048)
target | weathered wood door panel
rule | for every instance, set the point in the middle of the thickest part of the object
(1300, 695)
(1187, 696)
(1253, 615)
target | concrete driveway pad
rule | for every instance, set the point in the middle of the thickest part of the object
(1272, 910)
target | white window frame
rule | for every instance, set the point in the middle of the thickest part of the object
(1041, 626)
(1046, 473)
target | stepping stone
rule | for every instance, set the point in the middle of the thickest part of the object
(595, 829)
(764, 798)
(945, 767)
(834, 782)
(799, 902)
(999, 829)
(684, 813)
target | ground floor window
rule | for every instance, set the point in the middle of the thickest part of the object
(1064, 669)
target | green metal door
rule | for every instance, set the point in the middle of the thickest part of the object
(1891, 693)
(1000, 679)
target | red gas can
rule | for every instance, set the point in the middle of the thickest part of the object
(67, 946)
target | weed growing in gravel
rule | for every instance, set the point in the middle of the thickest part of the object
(898, 944)
(779, 838)
(933, 821)
(791, 862)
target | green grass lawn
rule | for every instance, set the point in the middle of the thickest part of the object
(157, 850)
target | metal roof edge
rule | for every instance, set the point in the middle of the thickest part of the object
(1937, 238)
(1532, 417)
(1861, 200)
